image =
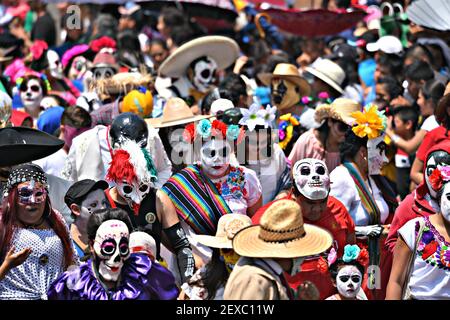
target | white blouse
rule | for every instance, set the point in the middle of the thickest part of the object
(344, 189)
(32, 279)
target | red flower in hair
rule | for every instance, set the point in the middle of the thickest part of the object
(436, 179)
(38, 48)
(102, 42)
(218, 127)
(363, 257)
(322, 265)
(189, 133)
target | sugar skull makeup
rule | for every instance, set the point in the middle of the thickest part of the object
(78, 68)
(134, 193)
(284, 93)
(55, 65)
(31, 192)
(445, 202)
(111, 248)
(204, 70)
(215, 157)
(31, 94)
(230, 258)
(439, 158)
(348, 281)
(376, 152)
(95, 200)
(311, 178)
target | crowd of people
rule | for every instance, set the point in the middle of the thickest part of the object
(144, 155)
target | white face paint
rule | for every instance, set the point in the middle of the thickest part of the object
(204, 72)
(431, 165)
(31, 94)
(78, 68)
(95, 200)
(348, 281)
(445, 202)
(111, 248)
(215, 158)
(312, 178)
(376, 152)
(55, 65)
(134, 193)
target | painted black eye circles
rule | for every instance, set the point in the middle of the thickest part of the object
(127, 189)
(205, 73)
(305, 171)
(108, 247)
(124, 247)
(356, 278)
(320, 170)
(143, 188)
(344, 278)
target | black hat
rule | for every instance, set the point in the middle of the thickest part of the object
(21, 145)
(81, 188)
(26, 172)
(343, 51)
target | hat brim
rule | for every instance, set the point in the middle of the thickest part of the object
(325, 111)
(33, 145)
(325, 79)
(247, 243)
(214, 242)
(157, 122)
(372, 47)
(224, 51)
(305, 88)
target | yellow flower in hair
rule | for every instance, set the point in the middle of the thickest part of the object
(370, 123)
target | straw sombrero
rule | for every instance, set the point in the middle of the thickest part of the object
(341, 110)
(282, 234)
(289, 72)
(121, 83)
(228, 226)
(175, 112)
(224, 51)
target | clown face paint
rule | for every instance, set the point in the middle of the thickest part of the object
(203, 73)
(31, 94)
(215, 158)
(55, 65)
(311, 178)
(348, 282)
(134, 193)
(111, 248)
(230, 258)
(284, 93)
(445, 202)
(376, 151)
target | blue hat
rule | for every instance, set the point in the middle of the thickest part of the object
(50, 120)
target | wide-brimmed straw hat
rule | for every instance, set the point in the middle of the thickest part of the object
(341, 110)
(289, 72)
(224, 51)
(329, 72)
(175, 112)
(21, 145)
(227, 227)
(121, 83)
(282, 234)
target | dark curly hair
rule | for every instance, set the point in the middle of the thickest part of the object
(351, 145)
(334, 268)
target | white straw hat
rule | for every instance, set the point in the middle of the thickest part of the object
(329, 72)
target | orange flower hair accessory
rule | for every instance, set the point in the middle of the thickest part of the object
(371, 122)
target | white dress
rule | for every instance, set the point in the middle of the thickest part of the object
(32, 279)
(344, 189)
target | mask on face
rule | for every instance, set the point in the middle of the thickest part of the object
(78, 68)
(215, 158)
(445, 202)
(55, 65)
(311, 178)
(134, 193)
(230, 258)
(284, 93)
(31, 193)
(95, 200)
(31, 94)
(436, 159)
(348, 281)
(296, 265)
(103, 73)
(376, 152)
(203, 70)
(128, 126)
(111, 248)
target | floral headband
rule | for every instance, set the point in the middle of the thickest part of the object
(311, 102)
(207, 129)
(351, 253)
(42, 76)
(371, 122)
(439, 176)
(256, 116)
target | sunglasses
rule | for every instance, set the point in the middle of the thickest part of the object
(354, 278)
(342, 127)
(34, 88)
(29, 195)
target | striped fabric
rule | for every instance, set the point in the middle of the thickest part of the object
(196, 200)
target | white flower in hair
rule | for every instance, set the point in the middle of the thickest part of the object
(268, 115)
(251, 117)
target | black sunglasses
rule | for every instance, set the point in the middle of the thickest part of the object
(342, 127)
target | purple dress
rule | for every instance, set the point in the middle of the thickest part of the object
(141, 279)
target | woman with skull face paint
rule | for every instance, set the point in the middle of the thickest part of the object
(113, 272)
(368, 197)
(423, 247)
(134, 174)
(201, 193)
(32, 90)
(35, 247)
(347, 272)
(209, 281)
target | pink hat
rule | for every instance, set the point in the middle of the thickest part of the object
(104, 59)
